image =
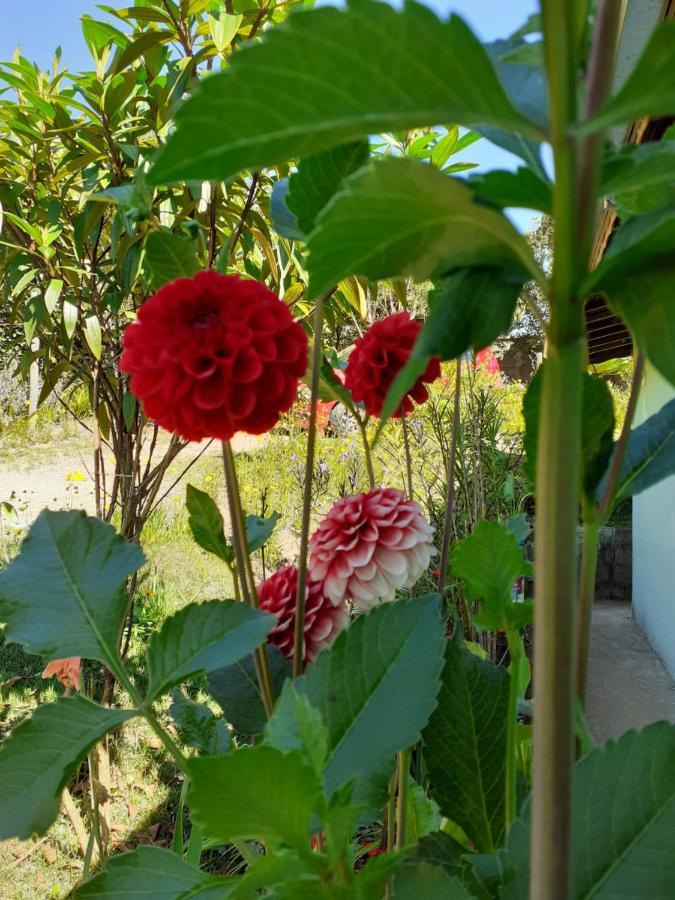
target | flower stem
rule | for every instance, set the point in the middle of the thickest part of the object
(450, 485)
(516, 655)
(403, 766)
(362, 424)
(408, 457)
(245, 571)
(317, 353)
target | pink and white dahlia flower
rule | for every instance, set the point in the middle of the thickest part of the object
(370, 545)
(324, 618)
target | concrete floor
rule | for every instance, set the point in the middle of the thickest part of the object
(628, 686)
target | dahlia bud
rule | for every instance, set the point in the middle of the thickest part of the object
(370, 545)
(379, 356)
(214, 354)
(324, 618)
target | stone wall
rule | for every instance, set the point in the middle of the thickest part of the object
(614, 578)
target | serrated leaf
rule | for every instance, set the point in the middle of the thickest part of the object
(650, 455)
(401, 217)
(469, 308)
(649, 90)
(640, 177)
(206, 524)
(41, 755)
(202, 637)
(53, 293)
(169, 257)
(256, 793)
(319, 177)
(197, 725)
(623, 816)
(65, 593)
(376, 686)
(465, 744)
(422, 813)
(259, 530)
(153, 872)
(235, 689)
(362, 86)
(489, 560)
(297, 725)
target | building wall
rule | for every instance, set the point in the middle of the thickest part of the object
(654, 541)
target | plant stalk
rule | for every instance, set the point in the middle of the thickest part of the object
(450, 485)
(317, 353)
(408, 457)
(367, 455)
(245, 571)
(516, 655)
(403, 766)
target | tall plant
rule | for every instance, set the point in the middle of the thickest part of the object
(390, 685)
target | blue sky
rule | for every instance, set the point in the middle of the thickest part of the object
(39, 26)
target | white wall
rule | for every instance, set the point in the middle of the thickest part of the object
(654, 540)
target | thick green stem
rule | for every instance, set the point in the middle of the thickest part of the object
(317, 354)
(517, 655)
(403, 767)
(390, 822)
(367, 455)
(589, 559)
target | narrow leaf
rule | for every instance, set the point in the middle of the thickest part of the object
(70, 313)
(92, 334)
(201, 638)
(52, 294)
(41, 755)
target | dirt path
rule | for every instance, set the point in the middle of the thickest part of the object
(59, 475)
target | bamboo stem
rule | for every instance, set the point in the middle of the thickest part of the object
(317, 353)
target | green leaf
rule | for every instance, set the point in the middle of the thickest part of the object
(439, 849)
(70, 313)
(403, 217)
(235, 689)
(284, 221)
(489, 560)
(223, 27)
(640, 177)
(259, 530)
(597, 429)
(202, 637)
(649, 90)
(148, 40)
(417, 880)
(297, 725)
(129, 410)
(52, 294)
(358, 70)
(319, 177)
(206, 524)
(521, 188)
(92, 334)
(376, 686)
(65, 593)
(197, 725)
(41, 755)
(169, 257)
(650, 455)
(422, 813)
(99, 35)
(469, 308)
(623, 817)
(255, 793)
(153, 872)
(465, 744)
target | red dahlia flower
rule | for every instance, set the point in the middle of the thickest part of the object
(370, 545)
(213, 355)
(324, 618)
(379, 356)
